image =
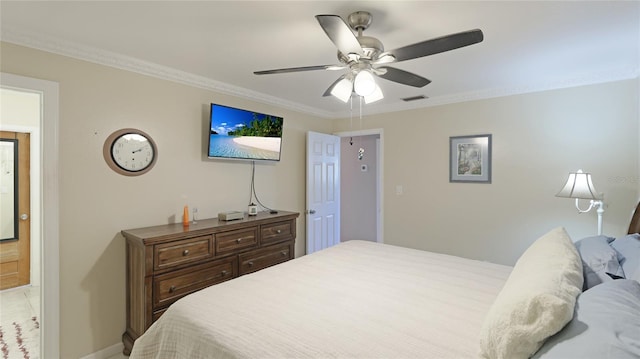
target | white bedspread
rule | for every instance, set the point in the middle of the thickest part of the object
(355, 300)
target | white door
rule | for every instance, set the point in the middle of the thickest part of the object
(323, 191)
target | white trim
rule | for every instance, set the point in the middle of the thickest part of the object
(107, 58)
(107, 352)
(50, 253)
(112, 59)
(379, 174)
(380, 231)
(592, 79)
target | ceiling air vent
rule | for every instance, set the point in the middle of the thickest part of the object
(414, 98)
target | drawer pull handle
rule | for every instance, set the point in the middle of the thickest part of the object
(279, 231)
(284, 253)
(238, 240)
(250, 264)
(172, 289)
(185, 252)
(224, 273)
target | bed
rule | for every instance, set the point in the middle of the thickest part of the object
(368, 300)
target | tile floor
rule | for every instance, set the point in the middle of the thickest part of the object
(20, 304)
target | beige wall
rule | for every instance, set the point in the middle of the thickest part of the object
(537, 139)
(96, 203)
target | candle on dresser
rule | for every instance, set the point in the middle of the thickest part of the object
(185, 216)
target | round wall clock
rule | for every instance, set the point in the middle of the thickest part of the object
(130, 152)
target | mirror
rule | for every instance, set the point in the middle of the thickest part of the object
(8, 189)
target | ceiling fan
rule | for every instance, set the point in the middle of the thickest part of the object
(364, 56)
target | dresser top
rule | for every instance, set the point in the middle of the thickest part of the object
(204, 226)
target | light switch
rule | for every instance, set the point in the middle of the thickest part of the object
(399, 190)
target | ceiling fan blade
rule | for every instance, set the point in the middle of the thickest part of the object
(340, 34)
(403, 77)
(296, 69)
(438, 45)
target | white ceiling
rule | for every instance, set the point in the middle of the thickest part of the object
(528, 45)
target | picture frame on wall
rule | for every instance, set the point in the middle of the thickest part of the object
(470, 159)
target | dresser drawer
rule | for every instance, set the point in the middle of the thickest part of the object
(264, 257)
(183, 251)
(276, 232)
(167, 288)
(231, 241)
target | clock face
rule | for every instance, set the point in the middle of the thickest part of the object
(130, 152)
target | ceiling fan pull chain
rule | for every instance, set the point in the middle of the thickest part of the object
(361, 150)
(351, 110)
(360, 112)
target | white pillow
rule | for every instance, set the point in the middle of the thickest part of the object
(536, 301)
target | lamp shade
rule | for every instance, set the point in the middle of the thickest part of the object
(375, 96)
(579, 185)
(364, 84)
(342, 90)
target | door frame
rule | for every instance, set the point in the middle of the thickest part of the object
(379, 175)
(47, 143)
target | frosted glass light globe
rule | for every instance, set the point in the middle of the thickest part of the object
(364, 84)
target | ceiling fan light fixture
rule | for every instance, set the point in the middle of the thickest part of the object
(375, 96)
(364, 83)
(342, 90)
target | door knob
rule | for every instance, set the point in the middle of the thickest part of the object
(24, 216)
(311, 211)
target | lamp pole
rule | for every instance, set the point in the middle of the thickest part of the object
(600, 211)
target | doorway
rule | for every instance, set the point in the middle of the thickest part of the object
(361, 169)
(15, 206)
(42, 125)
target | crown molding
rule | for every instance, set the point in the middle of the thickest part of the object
(111, 59)
(591, 79)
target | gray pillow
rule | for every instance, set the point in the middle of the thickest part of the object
(628, 248)
(599, 261)
(606, 324)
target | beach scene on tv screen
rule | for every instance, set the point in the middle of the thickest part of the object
(239, 133)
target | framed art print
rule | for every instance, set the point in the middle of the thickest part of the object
(470, 159)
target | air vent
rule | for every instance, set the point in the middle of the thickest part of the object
(414, 98)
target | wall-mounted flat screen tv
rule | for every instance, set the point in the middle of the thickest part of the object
(244, 135)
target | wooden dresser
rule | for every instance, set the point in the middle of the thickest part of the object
(167, 262)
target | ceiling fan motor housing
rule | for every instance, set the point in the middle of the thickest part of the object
(359, 20)
(371, 47)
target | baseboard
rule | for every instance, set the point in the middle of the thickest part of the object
(106, 353)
